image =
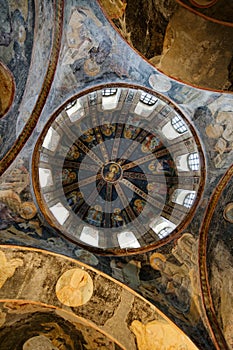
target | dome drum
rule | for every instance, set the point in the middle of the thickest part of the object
(118, 175)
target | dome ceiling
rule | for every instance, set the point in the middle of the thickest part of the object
(121, 163)
(111, 160)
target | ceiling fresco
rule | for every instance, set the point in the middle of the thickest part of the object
(75, 308)
(116, 175)
(219, 245)
(216, 10)
(120, 179)
(172, 34)
(17, 37)
(23, 54)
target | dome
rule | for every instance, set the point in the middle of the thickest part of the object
(118, 170)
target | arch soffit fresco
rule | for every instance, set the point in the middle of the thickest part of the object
(25, 261)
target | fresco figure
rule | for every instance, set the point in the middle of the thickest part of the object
(220, 132)
(68, 176)
(39, 342)
(181, 280)
(87, 50)
(73, 153)
(160, 335)
(158, 188)
(74, 287)
(74, 198)
(175, 281)
(112, 172)
(8, 267)
(94, 216)
(150, 143)
(221, 283)
(116, 218)
(162, 165)
(139, 205)
(130, 131)
(108, 129)
(88, 136)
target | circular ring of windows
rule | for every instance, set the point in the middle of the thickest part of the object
(118, 170)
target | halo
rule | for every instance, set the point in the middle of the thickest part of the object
(156, 256)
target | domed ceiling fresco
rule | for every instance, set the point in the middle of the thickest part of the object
(118, 168)
(116, 175)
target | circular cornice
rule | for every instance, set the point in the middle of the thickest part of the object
(118, 170)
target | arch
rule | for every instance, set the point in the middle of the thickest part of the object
(59, 212)
(127, 239)
(90, 236)
(45, 177)
(110, 97)
(146, 104)
(184, 197)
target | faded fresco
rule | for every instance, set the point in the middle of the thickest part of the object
(168, 42)
(24, 49)
(147, 340)
(49, 329)
(7, 89)
(49, 326)
(214, 9)
(16, 202)
(220, 270)
(168, 278)
(17, 25)
(93, 53)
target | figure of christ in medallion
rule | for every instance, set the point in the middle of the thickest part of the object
(111, 172)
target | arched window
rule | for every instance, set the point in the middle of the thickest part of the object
(60, 212)
(45, 177)
(74, 110)
(178, 124)
(70, 105)
(109, 92)
(51, 140)
(127, 239)
(110, 97)
(193, 161)
(189, 199)
(145, 105)
(183, 197)
(148, 99)
(164, 232)
(90, 236)
(162, 226)
(182, 162)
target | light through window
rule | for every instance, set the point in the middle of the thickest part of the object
(178, 125)
(109, 92)
(148, 99)
(188, 200)
(193, 161)
(164, 232)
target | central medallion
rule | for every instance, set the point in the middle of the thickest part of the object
(111, 172)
